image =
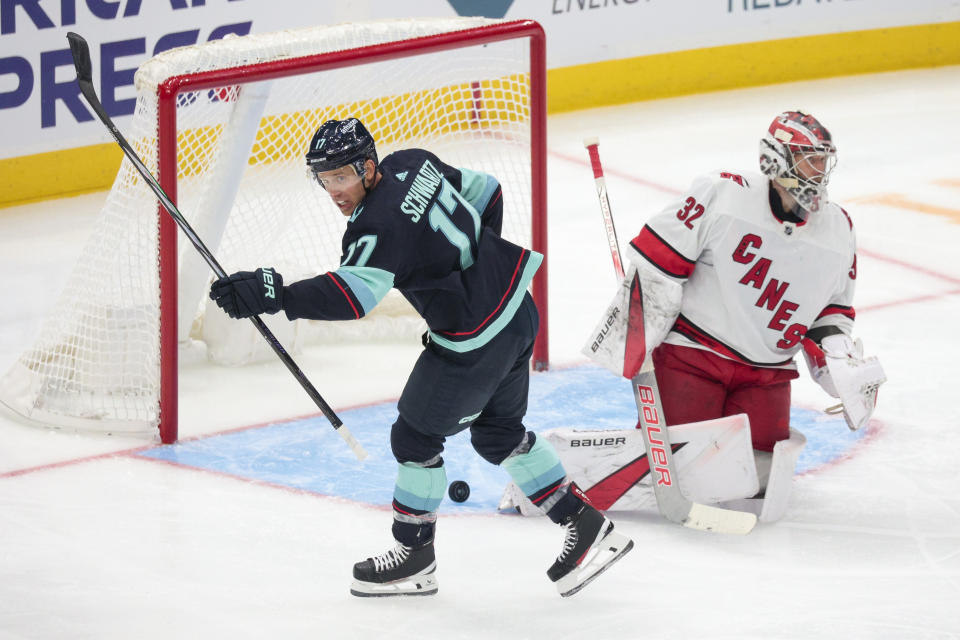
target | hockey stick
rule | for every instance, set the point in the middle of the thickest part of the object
(81, 60)
(671, 502)
(592, 145)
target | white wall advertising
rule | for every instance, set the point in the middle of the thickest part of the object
(581, 31)
(40, 107)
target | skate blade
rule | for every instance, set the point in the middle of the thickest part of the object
(613, 547)
(423, 585)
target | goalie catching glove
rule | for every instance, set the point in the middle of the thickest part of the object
(838, 366)
(249, 293)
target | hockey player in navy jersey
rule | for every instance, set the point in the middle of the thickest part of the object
(432, 232)
(750, 269)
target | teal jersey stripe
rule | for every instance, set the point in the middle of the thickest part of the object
(477, 188)
(537, 469)
(488, 334)
(369, 284)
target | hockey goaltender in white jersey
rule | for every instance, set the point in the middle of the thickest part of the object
(738, 275)
(754, 285)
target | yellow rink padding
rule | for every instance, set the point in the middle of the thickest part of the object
(73, 171)
(56, 174)
(754, 63)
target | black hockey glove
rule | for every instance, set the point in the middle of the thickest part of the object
(249, 293)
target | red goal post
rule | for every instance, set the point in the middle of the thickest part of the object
(446, 81)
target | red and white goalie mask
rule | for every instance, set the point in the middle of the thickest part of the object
(797, 153)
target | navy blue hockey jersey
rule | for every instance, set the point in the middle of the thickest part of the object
(432, 232)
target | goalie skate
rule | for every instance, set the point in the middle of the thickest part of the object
(590, 547)
(401, 571)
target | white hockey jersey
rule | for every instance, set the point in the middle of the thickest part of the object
(753, 285)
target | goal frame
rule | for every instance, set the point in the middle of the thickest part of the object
(167, 156)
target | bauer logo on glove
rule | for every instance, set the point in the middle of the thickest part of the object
(249, 293)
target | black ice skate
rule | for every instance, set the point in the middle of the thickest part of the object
(401, 571)
(590, 547)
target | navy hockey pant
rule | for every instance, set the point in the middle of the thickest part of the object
(484, 390)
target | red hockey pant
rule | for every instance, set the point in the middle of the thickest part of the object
(696, 384)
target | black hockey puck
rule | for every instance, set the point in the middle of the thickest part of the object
(459, 491)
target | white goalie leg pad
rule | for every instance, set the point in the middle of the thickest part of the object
(661, 305)
(715, 463)
(777, 471)
(513, 498)
(777, 494)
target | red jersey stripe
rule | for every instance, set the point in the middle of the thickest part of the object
(661, 255)
(510, 288)
(345, 294)
(686, 328)
(832, 309)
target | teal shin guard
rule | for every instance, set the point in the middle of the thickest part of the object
(420, 488)
(538, 471)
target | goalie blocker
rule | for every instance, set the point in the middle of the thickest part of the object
(715, 465)
(611, 344)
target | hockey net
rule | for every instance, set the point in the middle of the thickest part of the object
(225, 125)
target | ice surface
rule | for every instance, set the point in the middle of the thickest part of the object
(99, 539)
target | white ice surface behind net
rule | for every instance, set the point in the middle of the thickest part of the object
(122, 547)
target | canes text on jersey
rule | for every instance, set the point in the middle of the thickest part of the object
(772, 291)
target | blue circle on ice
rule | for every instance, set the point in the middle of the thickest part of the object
(306, 454)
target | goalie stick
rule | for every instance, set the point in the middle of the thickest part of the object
(81, 60)
(592, 145)
(671, 502)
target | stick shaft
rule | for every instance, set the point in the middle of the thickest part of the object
(592, 145)
(81, 59)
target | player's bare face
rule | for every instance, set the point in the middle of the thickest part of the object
(344, 187)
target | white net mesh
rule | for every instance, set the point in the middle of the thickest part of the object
(242, 185)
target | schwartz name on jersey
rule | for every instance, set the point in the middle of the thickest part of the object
(431, 231)
(753, 284)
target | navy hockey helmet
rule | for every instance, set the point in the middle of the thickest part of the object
(338, 143)
(794, 137)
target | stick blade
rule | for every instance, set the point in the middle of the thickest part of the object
(81, 57)
(355, 446)
(706, 518)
